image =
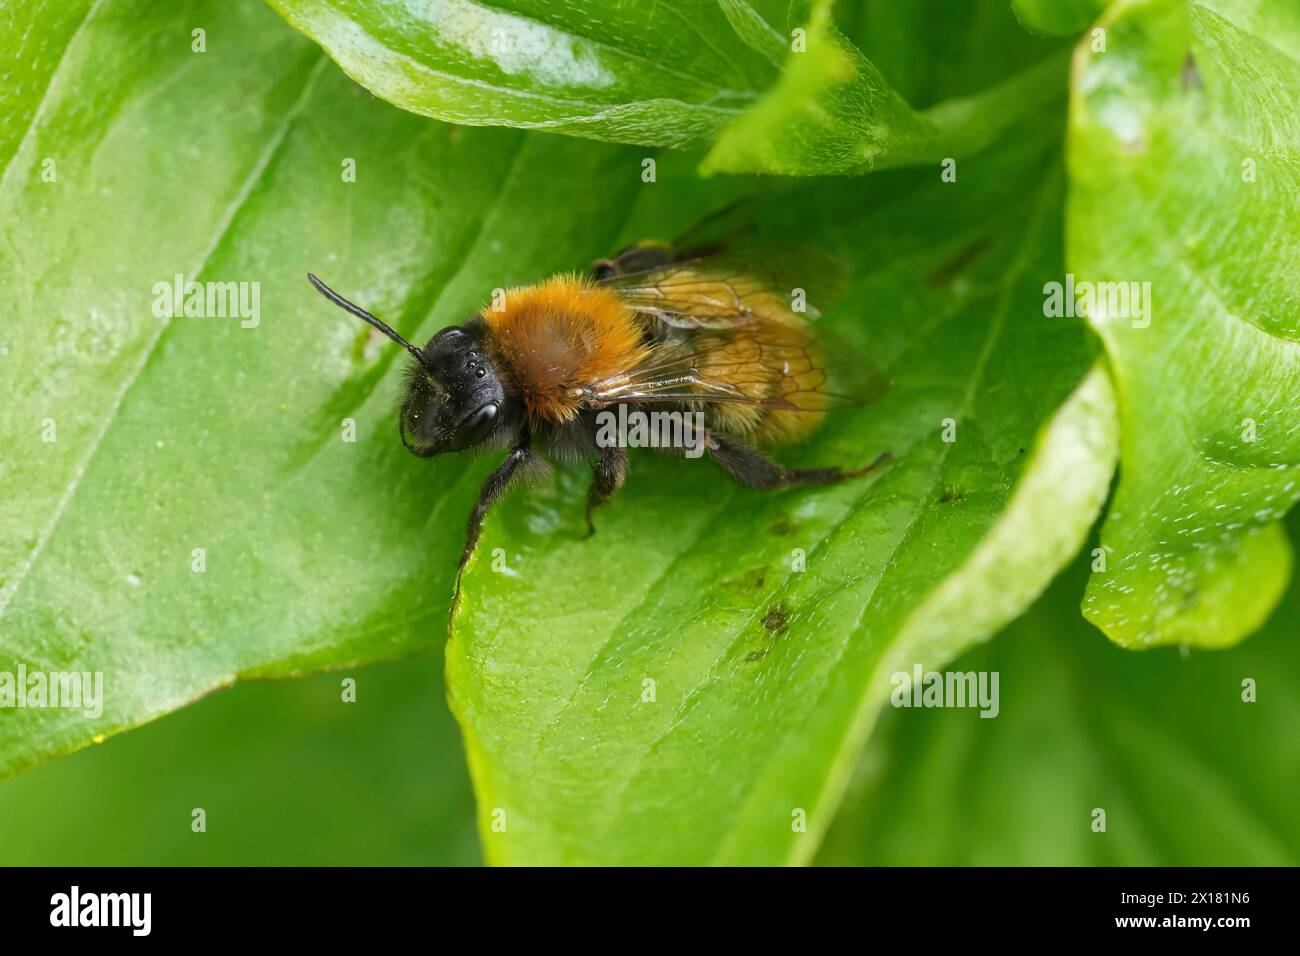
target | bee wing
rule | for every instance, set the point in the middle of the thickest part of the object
(759, 364)
(724, 292)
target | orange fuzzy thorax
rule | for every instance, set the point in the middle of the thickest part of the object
(560, 336)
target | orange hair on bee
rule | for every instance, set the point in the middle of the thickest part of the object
(559, 336)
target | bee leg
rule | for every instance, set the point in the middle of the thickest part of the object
(610, 470)
(635, 258)
(493, 488)
(756, 470)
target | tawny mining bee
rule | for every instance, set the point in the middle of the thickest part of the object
(648, 329)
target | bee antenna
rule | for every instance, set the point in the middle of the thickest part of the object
(365, 316)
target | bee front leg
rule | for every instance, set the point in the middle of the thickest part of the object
(756, 470)
(493, 488)
(609, 472)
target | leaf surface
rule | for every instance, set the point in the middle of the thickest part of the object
(770, 87)
(1183, 186)
(677, 673)
(179, 503)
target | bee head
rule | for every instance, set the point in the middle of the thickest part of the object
(454, 398)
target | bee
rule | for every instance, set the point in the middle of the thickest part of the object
(649, 329)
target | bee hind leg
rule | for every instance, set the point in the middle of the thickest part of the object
(609, 472)
(756, 470)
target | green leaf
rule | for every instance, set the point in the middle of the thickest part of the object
(779, 90)
(286, 772)
(766, 679)
(1187, 772)
(936, 50)
(1058, 17)
(663, 74)
(139, 448)
(1182, 155)
(832, 111)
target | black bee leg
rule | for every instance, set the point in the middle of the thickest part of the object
(493, 488)
(635, 258)
(751, 468)
(610, 470)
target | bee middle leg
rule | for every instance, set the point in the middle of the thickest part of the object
(609, 472)
(756, 470)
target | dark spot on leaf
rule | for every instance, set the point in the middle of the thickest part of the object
(955, 266)
(1191, 74)
(782, 527)
(776, 619)
(751, 580)
(951, 494)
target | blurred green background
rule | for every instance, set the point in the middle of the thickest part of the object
(287, 773)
